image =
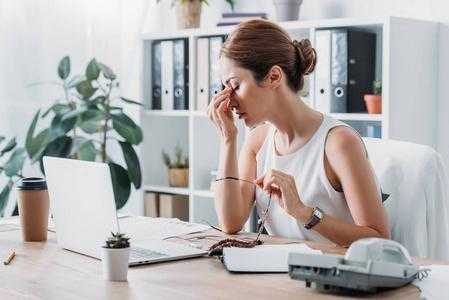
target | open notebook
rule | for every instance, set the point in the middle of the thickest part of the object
(263, 258)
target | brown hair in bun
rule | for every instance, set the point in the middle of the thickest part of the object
(258, 45)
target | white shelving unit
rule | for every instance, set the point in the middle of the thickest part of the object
(406, 63)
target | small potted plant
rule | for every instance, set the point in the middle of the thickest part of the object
(374, 101)
(178, 168)
(188, 12)
(287, 10)
(116, 257)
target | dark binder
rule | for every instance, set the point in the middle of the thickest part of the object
(156, 75)
(215, 84)
(361, 68)
(180, 74)
(352, 69)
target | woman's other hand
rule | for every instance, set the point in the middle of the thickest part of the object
(220, 113)
(282, 188)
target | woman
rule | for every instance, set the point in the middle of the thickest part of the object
(314, 168)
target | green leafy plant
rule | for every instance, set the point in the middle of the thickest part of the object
(12, 160)
(377, 87)
(180, 161)
(230, 2)
(117, 241)
(81, 125)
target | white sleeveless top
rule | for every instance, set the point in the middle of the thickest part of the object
(306, 165)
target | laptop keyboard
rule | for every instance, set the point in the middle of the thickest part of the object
(141, 254)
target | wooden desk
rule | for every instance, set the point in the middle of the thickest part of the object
(44, 271)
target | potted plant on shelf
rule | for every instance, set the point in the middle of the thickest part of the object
(374, 101)
(188, 12)
(178, 168)
(287, 10)
(116, 257)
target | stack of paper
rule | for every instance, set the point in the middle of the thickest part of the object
(436, 284)
(158, 228)
(264, 258)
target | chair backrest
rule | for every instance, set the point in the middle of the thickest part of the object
(414, 177)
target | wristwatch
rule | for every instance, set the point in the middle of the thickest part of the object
(316, 217)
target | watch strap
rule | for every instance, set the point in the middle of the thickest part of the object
(316, 217)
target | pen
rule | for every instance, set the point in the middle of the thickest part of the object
(10, 258)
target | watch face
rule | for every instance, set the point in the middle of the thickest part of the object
(318, 214)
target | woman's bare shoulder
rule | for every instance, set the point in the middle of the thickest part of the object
(256, 137)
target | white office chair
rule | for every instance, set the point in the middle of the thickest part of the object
(418, 209)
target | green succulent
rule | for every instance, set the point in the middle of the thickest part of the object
(377, 87)
(117, 241)
(180, 161)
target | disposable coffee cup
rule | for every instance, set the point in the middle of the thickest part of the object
(33, 202)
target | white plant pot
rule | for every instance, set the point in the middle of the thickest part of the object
(287, 10)
(115, 264)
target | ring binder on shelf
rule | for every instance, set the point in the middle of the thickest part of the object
(181, 74)
(156, 79)
(167, 75)
(202, 92)
(215, 85)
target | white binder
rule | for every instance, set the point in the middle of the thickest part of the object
(202, 60)
(322, 71)
(167, 74)
(215, 85)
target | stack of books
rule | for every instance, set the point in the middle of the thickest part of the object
(228, 19)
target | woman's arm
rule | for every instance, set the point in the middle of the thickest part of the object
(348, 160)
(233, 198)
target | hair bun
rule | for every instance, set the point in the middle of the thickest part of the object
(307, 56)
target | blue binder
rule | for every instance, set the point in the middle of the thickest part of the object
(156, 75)
(181, 74)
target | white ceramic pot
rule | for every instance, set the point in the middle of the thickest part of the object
(287, 10)
(115, 264)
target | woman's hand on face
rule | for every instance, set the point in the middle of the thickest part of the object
(220, 113)
(282, 188)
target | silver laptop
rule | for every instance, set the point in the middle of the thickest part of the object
(84, 213)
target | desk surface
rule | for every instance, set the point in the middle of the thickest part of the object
(44, 271)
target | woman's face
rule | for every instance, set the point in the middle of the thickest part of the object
(248, 97)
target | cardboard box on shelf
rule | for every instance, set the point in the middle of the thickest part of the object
(174, 206)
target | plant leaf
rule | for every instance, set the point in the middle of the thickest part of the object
(37, 147)
(57, 108)
(59, 147)
(15, 162)
(64, 67)
(58, 127)
(75, 81)
(107, 72)
(29, 138)
(4, 196)
(120, 183)
(87, 151)
(9, 146)
(92, 70)
(90, 121)
(85, 89)
(131, 101)
(126, 127)
(132, 162)
(73, 113)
